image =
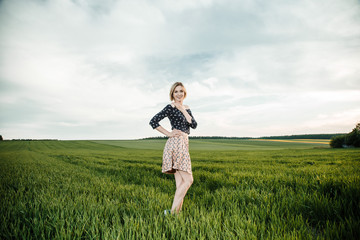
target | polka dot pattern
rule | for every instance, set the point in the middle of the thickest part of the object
(176, 117)
(176, 155)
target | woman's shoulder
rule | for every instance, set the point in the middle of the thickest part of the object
(170, 107)
(173, 106)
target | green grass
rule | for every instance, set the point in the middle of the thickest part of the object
(222, 144)
(243, 189)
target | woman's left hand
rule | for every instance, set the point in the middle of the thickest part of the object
(183, 110)
(179, 106)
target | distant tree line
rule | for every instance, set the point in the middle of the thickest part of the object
(34, 139)
(352, 139)
(198, 137)
(153, 138)
(303, 136)
(216, 137)
(23, 139)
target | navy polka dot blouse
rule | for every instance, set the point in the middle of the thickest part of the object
(176, 117)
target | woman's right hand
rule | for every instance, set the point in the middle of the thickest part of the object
(175, 133)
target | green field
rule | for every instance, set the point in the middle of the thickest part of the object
(243, 189)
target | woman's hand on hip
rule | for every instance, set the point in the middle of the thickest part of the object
(175, 133)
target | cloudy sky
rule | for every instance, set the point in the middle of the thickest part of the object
(95, 69)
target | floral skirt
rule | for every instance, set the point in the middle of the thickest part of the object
(176, 155)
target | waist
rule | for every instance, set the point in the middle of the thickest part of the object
(183, 134)
(183, 130)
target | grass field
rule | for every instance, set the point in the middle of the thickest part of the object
(226, 144)
(243, 189)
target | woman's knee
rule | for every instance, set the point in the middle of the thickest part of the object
(179, 183)
(189, 181)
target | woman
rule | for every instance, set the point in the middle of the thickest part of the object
(176, 157)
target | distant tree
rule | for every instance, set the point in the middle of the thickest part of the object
(1, 138)
(352, 139)
(337, 141)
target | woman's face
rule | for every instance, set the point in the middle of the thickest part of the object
(179, 94)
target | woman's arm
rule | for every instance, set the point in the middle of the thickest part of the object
(183, 110)
(193, 123)
(154, 122)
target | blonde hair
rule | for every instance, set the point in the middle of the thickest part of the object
(172, 90)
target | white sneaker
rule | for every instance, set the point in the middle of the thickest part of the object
(167, 212)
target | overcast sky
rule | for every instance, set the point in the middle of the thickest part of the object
(86, 69)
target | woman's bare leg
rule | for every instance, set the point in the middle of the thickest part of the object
(181, 189)
(179, 181)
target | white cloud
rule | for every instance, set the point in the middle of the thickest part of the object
(90, 69)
